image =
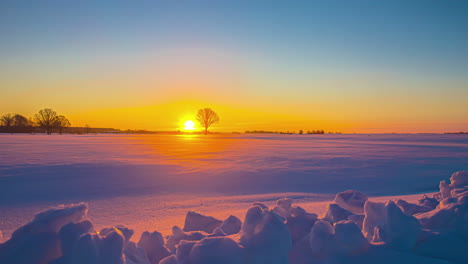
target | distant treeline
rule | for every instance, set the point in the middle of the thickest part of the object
(317, 132)
(45, 121)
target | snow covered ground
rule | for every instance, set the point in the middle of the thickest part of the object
(149, 181)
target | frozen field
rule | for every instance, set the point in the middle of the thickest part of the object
(149, 181)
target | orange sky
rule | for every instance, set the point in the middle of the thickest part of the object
(314, 65)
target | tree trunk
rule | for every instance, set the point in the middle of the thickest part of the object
(206, 131)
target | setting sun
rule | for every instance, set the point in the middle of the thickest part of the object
(189, 125)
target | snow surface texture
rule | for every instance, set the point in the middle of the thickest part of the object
(148, 181)
(433, 231)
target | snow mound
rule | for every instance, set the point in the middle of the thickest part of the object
(352, 201)
(153, 245)
(231, 225)
(434, 231)
(198, 222)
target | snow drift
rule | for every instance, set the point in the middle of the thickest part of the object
(353, 230)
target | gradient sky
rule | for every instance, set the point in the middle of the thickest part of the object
(350, 66)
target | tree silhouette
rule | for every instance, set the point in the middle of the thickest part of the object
(206, 117)
(62, 122)
(20, 123)
(7, 121)
(47, 119)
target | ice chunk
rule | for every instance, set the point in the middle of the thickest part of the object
(459, 179)
(216, 250)
(183, 251)
(94, 249)
(127, 233)
(135, 254)
(429, 202)
(231, 225)
(198, 222)
(283, 207)
(71, 233)
(357, 220)
(111, 248)
(411, 209)
(265, 237)
(178, 235)
(375, 215)
(444, 190)
(352, 201)
(253, 218)
(86, 250)
(299, 225)
(349, 239)
(153, 244)
(400, 230)
(452, 216)
(217, 233)
(321, 239)
(38, 241)
(335, 213)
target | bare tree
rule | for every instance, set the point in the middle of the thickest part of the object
(62, 122)
(46, 119)
(20, 123)
(7, 121)
(206, 117)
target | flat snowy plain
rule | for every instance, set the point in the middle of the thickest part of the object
(149, 182)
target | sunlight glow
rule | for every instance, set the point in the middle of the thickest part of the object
(189, 125)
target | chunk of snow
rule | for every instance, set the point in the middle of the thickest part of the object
(411, 209)
(38, 241)
(71, 233)
(231, 225)
(375, 215)
(335, 213)
(111, 248)
(299, 225)
(459, 179)
(216, 250)
(321, 239)
(349, 239)
(429, 202)
(153, 244)
(178, 235)
(283, 207)
(135, 254)
(400, 230)
(265, 237)
(127, 233)
(357, 220)
(183, 251)
(352, 201)
(198, 222)
(217, 233)
(444, 189)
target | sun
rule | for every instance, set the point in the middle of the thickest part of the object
(189, 125)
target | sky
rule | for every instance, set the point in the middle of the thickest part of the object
(350, 66)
